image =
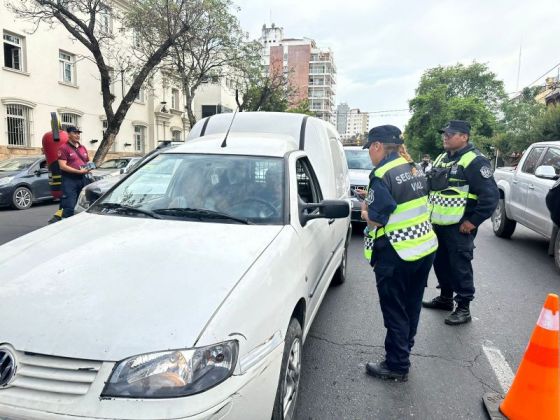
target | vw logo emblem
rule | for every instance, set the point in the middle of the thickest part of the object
(7, 367)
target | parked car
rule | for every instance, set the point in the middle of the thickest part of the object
(24, 181)
(215, 258)
(97, 188)
(523, 191)
(359, 168)
(114, 167)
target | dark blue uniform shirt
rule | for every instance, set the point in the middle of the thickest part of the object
(379, 199)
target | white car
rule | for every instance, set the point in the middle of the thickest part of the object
(186, 291)
(359, 169)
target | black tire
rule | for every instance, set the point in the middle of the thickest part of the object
(502, 226)
(22, 198)
(284, 408)
(557, 251)
(340, 273)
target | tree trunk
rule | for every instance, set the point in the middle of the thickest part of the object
(189, 105)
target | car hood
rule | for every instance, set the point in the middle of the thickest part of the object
(8, 173)
(108, 287)
(359, 176)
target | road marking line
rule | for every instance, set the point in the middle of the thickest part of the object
(501, 368)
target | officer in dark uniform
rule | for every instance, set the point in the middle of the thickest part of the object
(463, 194)
(400, 246)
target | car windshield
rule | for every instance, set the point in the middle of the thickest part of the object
(358, 159)
(114, 164)
(216, 188)
(17, 164)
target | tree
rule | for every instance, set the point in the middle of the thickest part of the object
(469, 93)
(218, 48)
(302, 108)
(157, 24)
(517, 127)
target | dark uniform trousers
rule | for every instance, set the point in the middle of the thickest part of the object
(400, 285)
(452, 264)
(71, 188)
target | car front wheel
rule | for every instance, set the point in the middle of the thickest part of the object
(22, 198)
(290, 373)
(502, 226)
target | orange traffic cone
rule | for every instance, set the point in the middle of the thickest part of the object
(535, 392)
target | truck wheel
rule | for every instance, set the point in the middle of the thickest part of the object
(22, 198)
(290, 373)
(557, 251)
(340, 273)
(502, 226)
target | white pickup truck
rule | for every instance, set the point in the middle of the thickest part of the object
(523, 191)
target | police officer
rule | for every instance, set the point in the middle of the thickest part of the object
(400, 246)
(463, 195)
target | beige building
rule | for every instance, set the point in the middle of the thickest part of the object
(357, 123)
(48, 71)
(311, 70)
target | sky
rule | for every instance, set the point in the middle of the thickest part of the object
(381, 47)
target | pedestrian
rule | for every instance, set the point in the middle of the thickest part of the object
(463, 195)
(401, 246)
(74, 165)
(426, 164)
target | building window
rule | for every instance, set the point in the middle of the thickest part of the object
(68, 119)
(141, 96)
(176, 135)
(67, 63)
(139, 138)
(174, 99)
(136, 43)
(18, 121)
(13, 51)
(111, 80)
(105, 24)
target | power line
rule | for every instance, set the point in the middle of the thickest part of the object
(540, 77)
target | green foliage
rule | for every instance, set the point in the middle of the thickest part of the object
(302, 108)
(547, 127)
(461, 92)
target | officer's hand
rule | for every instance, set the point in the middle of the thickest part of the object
(466, 227)
(84, 171)
(360, 192)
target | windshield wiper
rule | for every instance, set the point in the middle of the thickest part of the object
(121, 208)
(200, 213)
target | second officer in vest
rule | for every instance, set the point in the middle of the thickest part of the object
(463, 195)
(400, 246)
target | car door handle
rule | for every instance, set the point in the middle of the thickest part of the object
(515, 181)
(531, 187)
(331, 221)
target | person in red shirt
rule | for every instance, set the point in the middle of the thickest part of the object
(73, 160)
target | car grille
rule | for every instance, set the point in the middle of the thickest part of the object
(59, 375)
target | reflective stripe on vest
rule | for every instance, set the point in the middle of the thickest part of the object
(448, 206)
(408, 230)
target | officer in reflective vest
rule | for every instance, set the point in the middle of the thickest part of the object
(402, 246)
(463, 194)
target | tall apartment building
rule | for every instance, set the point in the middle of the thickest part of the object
(342, 111)
(311, 70)
(45, 71)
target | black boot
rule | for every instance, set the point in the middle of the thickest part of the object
(380, 370)
(439, 302)
(461, 315)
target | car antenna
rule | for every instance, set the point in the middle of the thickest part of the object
(224, 144)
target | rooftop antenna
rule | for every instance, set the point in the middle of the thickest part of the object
(519, 64)
(224, 144)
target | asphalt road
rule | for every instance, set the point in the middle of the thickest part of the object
(450, 368)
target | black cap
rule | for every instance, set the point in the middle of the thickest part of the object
(384, 134)
(72, 129)
(457, 126)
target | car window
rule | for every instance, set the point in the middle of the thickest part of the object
(552, 158)
(358, 159)
(245, 187)
(17, 164)
(114, 164)
(308, 187)
(532, 159)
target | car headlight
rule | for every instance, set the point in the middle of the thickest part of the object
(83, 201)
(175, 373)
(6, 180)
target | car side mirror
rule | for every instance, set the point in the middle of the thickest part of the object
(546, 172)
(41, 171)
(328, 209)
(122, 171)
